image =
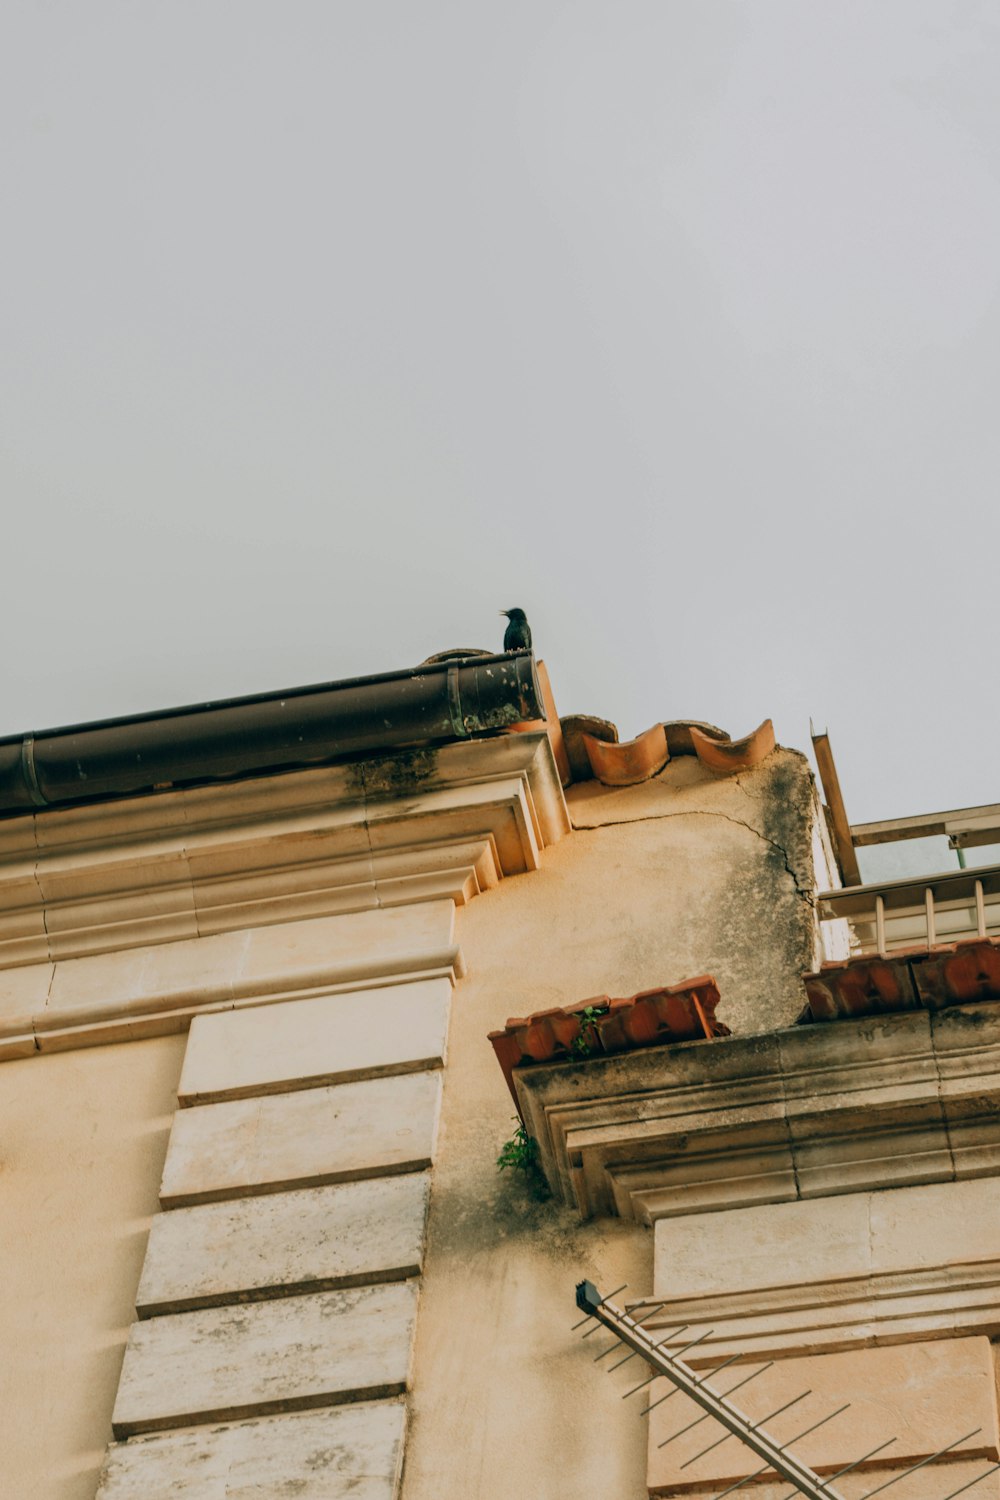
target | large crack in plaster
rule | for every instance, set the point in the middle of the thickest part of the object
(704, 812)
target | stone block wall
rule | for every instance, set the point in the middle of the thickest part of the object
(276, 1308)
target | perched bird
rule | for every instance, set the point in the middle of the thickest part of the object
(517, 636)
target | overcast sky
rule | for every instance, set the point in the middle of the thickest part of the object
(330, 329)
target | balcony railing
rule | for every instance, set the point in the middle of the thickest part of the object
(921, 910)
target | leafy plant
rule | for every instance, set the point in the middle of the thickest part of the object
(585, 1042)
(521, 1154)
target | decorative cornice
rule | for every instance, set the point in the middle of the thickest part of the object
(801, 1113)
(409, 827)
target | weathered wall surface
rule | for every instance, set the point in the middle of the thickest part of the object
(718, 877)
(681, 875)
(82, 1140)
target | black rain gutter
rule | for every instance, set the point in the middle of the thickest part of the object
(450, 700)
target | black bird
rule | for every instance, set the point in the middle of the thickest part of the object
(517, 636)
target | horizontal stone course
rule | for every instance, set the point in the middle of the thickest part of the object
(226, 1363)
(335, 1134)
(348, 1451)
(305, 1043)
(352, 1234)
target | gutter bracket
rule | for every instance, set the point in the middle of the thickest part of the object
(455, 703)
(30, 774)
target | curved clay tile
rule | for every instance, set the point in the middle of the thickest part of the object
(726, 757)
(671, 1013)
(574, 727)
(869, 986)
(678, 732)
(625, 764)
(959, 973)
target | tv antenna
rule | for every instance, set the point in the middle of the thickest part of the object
(778, 1456)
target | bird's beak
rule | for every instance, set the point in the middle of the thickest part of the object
(504, 612)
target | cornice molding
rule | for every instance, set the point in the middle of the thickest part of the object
(418, 825)
(802, 1113)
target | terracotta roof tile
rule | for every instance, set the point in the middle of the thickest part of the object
(908, 979)
(726, 757)
(574, 728)
(594, 750)
(672, 1013)
(679, 736)
(625, 764)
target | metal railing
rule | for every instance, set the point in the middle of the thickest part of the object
(919, 910)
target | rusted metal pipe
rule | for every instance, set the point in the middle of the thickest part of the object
(431, 704)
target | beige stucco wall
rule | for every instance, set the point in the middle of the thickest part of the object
(682, 875)
(690, 873)
(82, 1140)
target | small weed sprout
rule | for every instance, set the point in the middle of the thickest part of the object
(585, 1042)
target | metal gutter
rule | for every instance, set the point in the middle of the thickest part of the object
(235, 737)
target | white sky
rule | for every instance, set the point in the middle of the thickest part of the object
(329, 329)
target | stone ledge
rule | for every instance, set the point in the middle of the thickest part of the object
(805, 1112)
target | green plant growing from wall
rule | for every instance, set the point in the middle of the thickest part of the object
(521, 1154)
(585, 1042)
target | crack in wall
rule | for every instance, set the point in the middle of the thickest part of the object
(800, 890)
(704, 812)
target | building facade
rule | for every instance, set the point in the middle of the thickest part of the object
(281, 977)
